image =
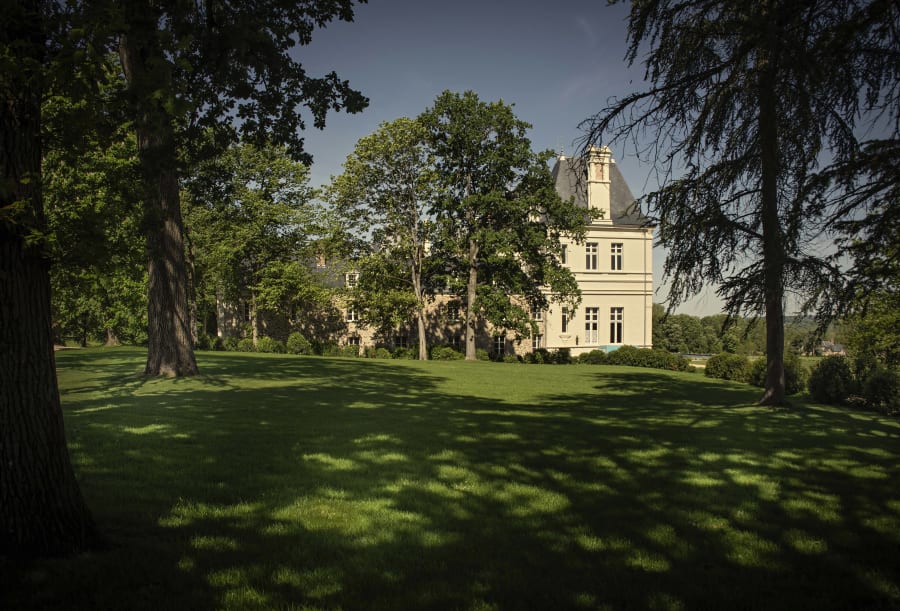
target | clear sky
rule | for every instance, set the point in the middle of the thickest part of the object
(556, 62)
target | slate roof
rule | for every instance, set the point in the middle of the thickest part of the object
(571, 180)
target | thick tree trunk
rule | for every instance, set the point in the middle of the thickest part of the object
(471, 292)
(773, 236)
(111, 338)
(41, 509)
(170, 350)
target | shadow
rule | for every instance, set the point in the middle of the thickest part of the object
(275, 482)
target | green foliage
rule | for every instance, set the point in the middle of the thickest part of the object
(330, 349)
(209, 342)
(728, 367)
(381, 353)
(881, 390)
(562, 356)
(482, 355)
(831, 380)
(641, 357)
(230, 343)
(350, 350)
(405, 353)
(539, 356)
(298, 344)
(499, 220)
(245, 345)
(270, 345)
(445, 353)
(795, 374)
(511, 358)
(594, 357)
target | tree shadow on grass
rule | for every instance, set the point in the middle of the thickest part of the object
(357, 484)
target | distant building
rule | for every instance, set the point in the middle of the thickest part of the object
(613, 268)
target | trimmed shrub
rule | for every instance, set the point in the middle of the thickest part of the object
(445, 353)
(297, 344)
(594, 357)
(230, 343)
(269, 345)
(728, 367)
(350, 350)
(540, 356)
(245, 345)
(405, 353)
(831, 381)
(881, 390)
(382, 353)
(482, 355)
(795, 376)
(511, 358)
(563, 356)
(644, 357)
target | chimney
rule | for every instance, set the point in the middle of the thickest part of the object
(599, 161)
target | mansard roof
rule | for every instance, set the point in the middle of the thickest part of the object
(570, 175)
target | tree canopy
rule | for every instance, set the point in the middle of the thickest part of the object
(745, 101)
(499, 218)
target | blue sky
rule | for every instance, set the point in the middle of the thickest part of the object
(557, 63)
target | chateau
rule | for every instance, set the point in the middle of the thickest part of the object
(613, 267)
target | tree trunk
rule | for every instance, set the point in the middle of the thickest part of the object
(254, 320)
(41, 508)
(170, 351)
(772, 235)
(471, 292)
(111, 338)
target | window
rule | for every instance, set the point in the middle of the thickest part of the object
(537, 315)
(247, 311)
(591, 321)
(352, 315)
(500, 344)
(455, 340)
(590, 255)
(616, 319)
(564, 256)
(616, 257)
(401, 341)
(351, 279)
(353, 340)
(453, 310)
(537, 341)
(565, 320)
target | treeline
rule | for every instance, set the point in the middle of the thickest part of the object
(686, 334)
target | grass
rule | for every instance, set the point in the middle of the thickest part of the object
(277, 482)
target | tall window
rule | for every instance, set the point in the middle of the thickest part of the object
(537, 315)
(352, 315)
(590, 255)
(353, 340)
(564, 258)
(351, 279)
(591, 320)
(401, 341)
(537, 341)
(500, 344)
(616, 321)
(565, 319)
(616, 257)
(453, 310)
(455, 340)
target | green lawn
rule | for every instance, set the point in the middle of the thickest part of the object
(298, 482)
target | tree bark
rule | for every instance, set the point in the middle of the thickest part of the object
(42, 512)
(471, 293)
(170, 350)
(773, 237)
(420, 311)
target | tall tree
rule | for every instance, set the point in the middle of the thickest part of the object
(500, 218)
(745, 100)
(251, 219)
(43, 512)
(385, 192)
(196, 67)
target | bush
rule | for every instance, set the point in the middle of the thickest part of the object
(831, 381)
(297, 344)
(332, 350)
(230, 343)
(350, 350)
(563, 356)
(482, 355)
(881, 390)
(381, 353)
(511, 358)
(540, 356)
(795, 376)
(245, 345)
(644, 357)
(405, 353)
(728, 367)
(445, 353)
(594, 357)
(269, 345)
